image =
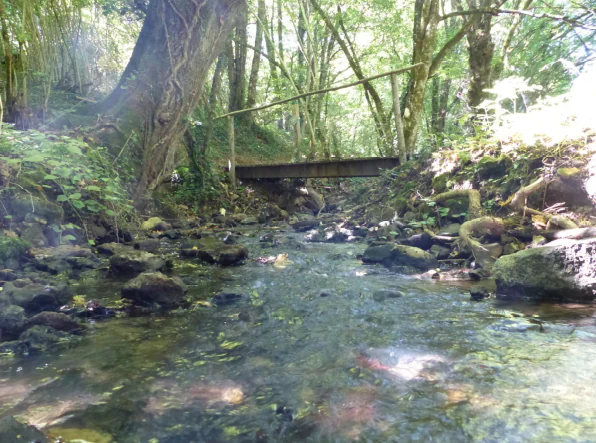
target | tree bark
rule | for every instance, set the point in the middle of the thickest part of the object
(425, 32)
(480, 49)
(251, 98)
(162, 85)
(8, 60)
(238, 79)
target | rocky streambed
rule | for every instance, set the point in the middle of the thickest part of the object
(278, 332)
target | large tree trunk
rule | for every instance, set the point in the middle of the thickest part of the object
(426, 22)
(8, 61)
(165, 77)
(481, 49)
(238, 78)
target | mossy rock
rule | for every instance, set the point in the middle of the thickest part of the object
(400, 205)
(439, 183)
(13, 248)
(21, 205)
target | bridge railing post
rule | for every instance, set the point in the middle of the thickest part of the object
(232, 161)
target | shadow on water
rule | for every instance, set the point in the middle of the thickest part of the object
(311, 354)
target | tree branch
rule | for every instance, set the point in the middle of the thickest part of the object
(494, 11)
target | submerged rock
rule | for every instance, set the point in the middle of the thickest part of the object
(226, 298)
(113, 248)
(43, 338)
(36, 297)
(155, 288)
(212, 250)
(56, 320)
(560, 270)
(134, 262)
(13, 431)
(305, 225)
(479, 294)
(12, 321)
(399, 255)
(384, 294)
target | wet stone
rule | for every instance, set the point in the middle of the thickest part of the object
(13, 431)
(227, 298)
(134, 262)
(384, 294)
(155, 288)
(479, 294)
(56, 320)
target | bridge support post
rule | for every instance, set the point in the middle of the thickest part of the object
(232, 161)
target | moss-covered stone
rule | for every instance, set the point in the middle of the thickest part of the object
(21, 205)
(491, 167)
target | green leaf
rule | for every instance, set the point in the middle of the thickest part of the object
(69, 238)
(55, 228)
(93, 188)
(64, 172)
(50, 177)
(35, 158)
(62, 198)
(76, 196)
(111, 213)
(73, 149)
(78, 204)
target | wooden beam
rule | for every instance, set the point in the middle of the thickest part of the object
(321, 91)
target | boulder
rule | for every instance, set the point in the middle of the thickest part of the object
(12, 321)
(43, 338)
(305, 225)
(227, 298)
(36, 297)
(34, 236)
(151, 288)
(422, 241)
(7, 275)
(149, 245)
(213, 250)
(64, 258)
(56, 320)
(114, 248)
(313, 200)
(570, 191)
(441, 252)
(155, 224)
(134, 262)
(399, 255)
(21, 205)
(560, 270)
(269, 212)
(376, 214)
(13, 431)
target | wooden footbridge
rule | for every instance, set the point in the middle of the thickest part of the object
(360, 167)
(355, 167)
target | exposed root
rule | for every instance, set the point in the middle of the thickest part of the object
(473, 196)
(477, 228)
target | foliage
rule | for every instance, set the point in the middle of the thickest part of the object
(81, 178)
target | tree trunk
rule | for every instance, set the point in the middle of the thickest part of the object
(8, 60)
(251, 99)
(481, 50)
(162, 85)
(215, 86)
(425, 32)
(238, 80)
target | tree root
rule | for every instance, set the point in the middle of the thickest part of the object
(520, 199)
(477, 228)
(473, 196)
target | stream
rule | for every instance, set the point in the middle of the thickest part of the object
(322, 348)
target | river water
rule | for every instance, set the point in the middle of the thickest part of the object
(315, 353)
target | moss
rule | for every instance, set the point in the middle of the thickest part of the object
(13, 248)
(22, 205)
(439, 183)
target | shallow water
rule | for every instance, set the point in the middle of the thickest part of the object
(286, 364)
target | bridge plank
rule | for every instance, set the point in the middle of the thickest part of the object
(360, 167)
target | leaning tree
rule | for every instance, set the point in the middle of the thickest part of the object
(164, 79)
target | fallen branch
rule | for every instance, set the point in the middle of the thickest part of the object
(474, 205)
(571, 234)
